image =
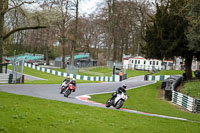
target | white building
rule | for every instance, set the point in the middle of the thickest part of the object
(141, 63)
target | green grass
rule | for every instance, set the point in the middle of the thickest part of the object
(169, 72)
(192, 88)
(147, 99)
(31, 115)
(108, 72)
(133, 73)
(104, 70)
(51, 79)
(87, 74)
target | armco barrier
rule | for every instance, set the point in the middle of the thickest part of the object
(114, 78)
(184, 101)
(156, 77)
(198, 105)
(169, 85)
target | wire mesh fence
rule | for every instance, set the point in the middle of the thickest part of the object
(17, 71)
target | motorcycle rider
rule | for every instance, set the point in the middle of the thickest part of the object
(67, 79)
(73, 82)
(65, 84)
(119, 91)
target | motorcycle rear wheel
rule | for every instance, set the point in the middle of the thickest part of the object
(67, 93)
(119, 104)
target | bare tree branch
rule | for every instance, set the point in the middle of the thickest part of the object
(5, 7)
(22, 28)
(16, 6)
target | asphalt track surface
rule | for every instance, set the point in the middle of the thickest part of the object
(52, 92)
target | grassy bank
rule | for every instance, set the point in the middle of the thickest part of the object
(147, 99)
(192, 88)
(169, 72)
(30, 115)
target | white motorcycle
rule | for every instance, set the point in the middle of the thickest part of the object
(118, 101)
(63, 87)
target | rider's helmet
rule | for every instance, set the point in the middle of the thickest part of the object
(124, 86)
(73, 80)
(68, 78)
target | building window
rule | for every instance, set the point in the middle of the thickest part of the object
(157, 63)
(135, 61)
(153, 63)
(138, 61)
(144, 62)
(150, 62)
(132, 61)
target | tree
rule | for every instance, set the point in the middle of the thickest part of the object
(5, 8)
(125, 24)
(193, 32)
(59, 17)
(75, 40)
(165, 34)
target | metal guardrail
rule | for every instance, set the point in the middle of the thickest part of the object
(169, 84)
(198, 105)
(156, 78)
(184, 101)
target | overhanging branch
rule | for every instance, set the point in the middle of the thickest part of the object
(22, 28)
(16, 6)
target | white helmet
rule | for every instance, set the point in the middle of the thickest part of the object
(124, 86)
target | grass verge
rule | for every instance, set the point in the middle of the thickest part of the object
(169, 72)
(108, 72)
(133, 73)
(104, 70)
(147, 99)
(30, 115)
(51, 79)
(192, 88)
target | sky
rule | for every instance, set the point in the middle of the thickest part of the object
(90, 6)
(85, 6)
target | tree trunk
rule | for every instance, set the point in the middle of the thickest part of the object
(115, 49)
(126, 47)
(1, 53)
(1, 37)
(72, 57)
(76, 36)
(109, 31)
(63, 52)
(188, 66)
(47, 55)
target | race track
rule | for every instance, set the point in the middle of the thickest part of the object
(52, 92)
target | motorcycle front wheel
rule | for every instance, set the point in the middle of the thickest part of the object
(119, 104)
(67, 93)
(108, 102)
(62, 90)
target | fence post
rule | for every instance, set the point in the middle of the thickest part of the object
(10, 78)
